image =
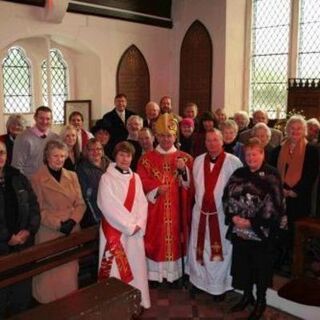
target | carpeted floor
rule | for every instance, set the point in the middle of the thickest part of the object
(170, 303)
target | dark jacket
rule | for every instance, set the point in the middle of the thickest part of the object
(118, 130)
(28, 212)
(89, 177)
(258, 197)
(301, 205)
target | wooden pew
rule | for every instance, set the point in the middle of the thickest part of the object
(110, 299)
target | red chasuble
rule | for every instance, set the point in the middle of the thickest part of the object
(113, 244)
(209, 211)
(162, 237)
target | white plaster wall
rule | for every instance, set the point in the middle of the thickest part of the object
(94, 45)
(98, 44)
(235, 56)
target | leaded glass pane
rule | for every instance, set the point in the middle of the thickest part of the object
(269, 56)
(44, 83)
(309, 39)
(16, 82)
(59, 84)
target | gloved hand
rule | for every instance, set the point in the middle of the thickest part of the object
(67, 226)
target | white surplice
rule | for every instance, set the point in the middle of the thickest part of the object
(213, 276)
(113, 189)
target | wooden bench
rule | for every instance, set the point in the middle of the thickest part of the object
(107, 300)
(110, 299)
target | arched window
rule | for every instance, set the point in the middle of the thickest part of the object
(57, 87)
(196, 67)
(133, 79)
(16, 71)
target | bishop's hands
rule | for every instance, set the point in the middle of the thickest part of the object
(241, 223)
(181, 164)
(162, 189)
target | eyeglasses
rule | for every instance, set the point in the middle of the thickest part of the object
(3, 152)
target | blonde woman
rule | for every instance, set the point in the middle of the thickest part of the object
(298, 164)
(69, 137)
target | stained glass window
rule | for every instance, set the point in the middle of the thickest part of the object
(16, 71)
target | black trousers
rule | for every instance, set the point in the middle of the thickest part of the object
(252, 263)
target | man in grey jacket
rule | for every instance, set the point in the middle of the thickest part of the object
(28, 147)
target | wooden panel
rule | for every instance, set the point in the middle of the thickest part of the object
(161, 8)
(196, 68)
(304, 94)
(133, 79)
(39, 3)
(155, 12)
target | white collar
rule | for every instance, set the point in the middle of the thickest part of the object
(171, 150)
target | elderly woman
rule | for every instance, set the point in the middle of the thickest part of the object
(313, 128)
(134, 125)
(69, 137)
(229, 130)
(298, 164)
(254, 209)
(263, 133)
(242, 120)
(124, 208)
(61, 209)
(19, 221)
(93, 165)
(15, 125)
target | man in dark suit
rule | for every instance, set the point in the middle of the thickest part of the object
(116, 120)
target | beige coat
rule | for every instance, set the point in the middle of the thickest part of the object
(59, 201)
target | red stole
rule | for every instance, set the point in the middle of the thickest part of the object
(84, 138)
(208, 209)
(114, 245)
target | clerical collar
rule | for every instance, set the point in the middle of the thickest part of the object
(213, 159)
(122, 171)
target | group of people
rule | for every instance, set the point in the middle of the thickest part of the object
(207, 196)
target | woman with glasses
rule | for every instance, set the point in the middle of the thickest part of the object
(93, 165)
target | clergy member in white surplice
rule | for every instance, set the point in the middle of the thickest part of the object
(124, 207)
(209, 254)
